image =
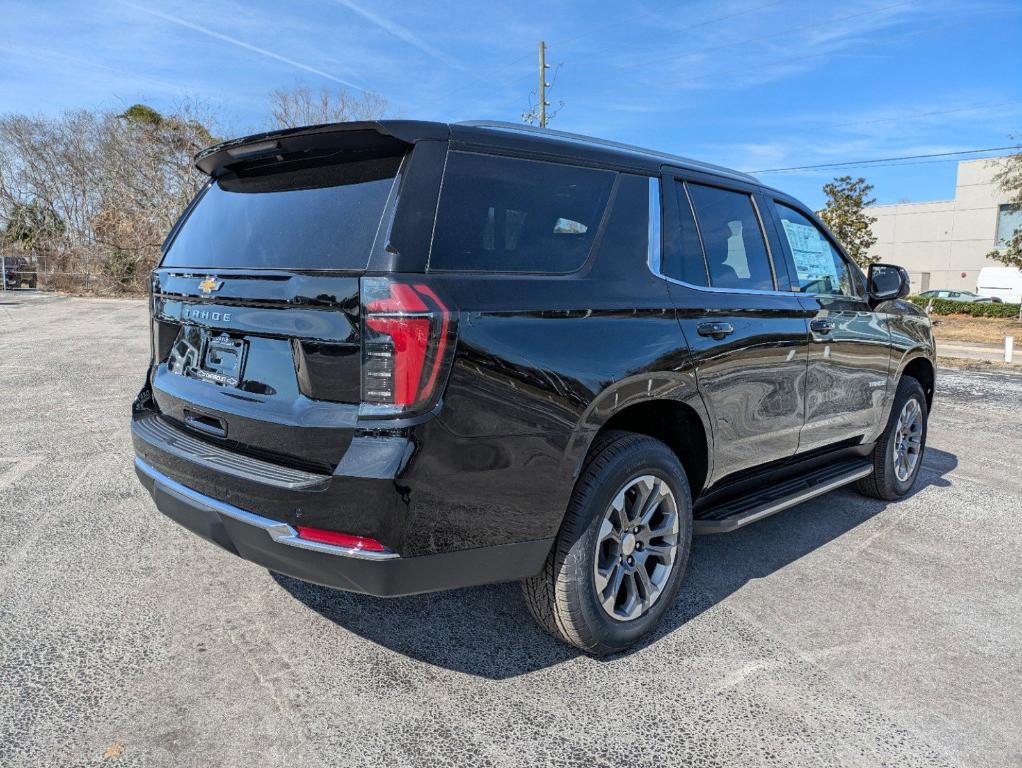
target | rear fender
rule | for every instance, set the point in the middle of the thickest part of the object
(658, 386)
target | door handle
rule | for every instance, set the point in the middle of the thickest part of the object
(822, 326)
(208, 424)
(716, 330)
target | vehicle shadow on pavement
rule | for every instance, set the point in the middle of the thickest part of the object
(487, 631)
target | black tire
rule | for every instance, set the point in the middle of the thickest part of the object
(563, 596)
(883, 482)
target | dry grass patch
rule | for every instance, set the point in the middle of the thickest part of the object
(980, 330)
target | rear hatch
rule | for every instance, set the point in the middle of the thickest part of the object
(268, 338)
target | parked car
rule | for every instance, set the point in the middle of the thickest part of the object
(964, 296)
(16, 272)
(397, 357)
(1003, 283)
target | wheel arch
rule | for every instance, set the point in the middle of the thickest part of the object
(674, 423)
(921, 368)
(665, 405)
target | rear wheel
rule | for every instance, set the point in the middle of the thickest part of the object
(899, 451)
(622, 549)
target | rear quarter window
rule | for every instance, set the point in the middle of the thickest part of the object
(502, 214)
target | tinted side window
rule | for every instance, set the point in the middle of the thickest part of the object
(683, 258)
(502, 214)
(736, 254)
(819, 266)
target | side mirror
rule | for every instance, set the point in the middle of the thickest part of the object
(887, 282)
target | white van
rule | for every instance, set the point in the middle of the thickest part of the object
(1004, 283)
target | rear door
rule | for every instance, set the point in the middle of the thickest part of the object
(747, 333)
(257, 305)
(850, 344)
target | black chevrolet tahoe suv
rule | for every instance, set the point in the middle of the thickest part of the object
(393, 357)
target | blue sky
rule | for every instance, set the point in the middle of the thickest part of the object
(751, 84)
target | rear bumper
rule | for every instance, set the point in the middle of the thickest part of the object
(275, 545)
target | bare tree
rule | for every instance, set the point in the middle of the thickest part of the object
(95, 192)
(100, 188)
(302, 106)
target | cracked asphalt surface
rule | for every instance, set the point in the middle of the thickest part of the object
(843, 632)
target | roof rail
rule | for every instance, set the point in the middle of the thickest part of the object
(502, 125)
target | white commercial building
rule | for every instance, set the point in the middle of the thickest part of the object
(944, 243)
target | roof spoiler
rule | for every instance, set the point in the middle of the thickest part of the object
(362, 134)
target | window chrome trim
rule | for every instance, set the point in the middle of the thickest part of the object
(710, 289)
(281, 533)
(654, 241)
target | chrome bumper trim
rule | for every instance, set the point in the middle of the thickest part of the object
(282, 533)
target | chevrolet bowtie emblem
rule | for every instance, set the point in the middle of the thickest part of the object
(210, 284)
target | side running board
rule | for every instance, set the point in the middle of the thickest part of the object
(748, 509)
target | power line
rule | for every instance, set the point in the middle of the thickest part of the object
(600, 27)
(899, 165)
(917, 115)
(883, 160)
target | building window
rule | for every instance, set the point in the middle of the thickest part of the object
(1009, 219)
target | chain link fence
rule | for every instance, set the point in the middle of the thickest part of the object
(39, 273)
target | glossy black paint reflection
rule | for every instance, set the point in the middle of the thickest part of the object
(754, 379)
(846, 391)
(541, 364)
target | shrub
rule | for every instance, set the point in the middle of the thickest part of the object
(946, 307)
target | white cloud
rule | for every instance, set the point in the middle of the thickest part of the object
(241, 44)
(400, 32)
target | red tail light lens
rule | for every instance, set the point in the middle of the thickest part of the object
(405, 347)
(337, 539)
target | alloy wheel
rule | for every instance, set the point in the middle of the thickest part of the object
(637, 547)
(908, 439)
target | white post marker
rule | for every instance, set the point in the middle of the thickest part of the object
(1009, 348)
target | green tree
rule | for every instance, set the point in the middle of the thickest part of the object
(142, 114)
(845, 214)
(1010, 180)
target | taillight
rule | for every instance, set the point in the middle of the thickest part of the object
(406, 344)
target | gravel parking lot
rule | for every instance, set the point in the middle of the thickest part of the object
(845, 631)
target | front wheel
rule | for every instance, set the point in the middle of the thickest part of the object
(898, 454)
(621, 553)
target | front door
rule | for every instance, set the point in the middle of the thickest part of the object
(850, 345)
(749, 341)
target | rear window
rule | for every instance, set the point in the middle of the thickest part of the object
(301, 213)
(501, 214)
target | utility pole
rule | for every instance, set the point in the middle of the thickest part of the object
(543, 67)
